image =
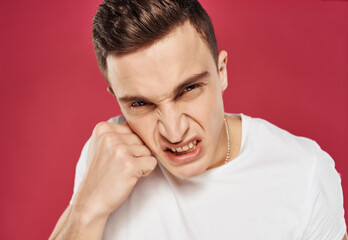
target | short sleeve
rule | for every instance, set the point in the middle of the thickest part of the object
(325, 202)
(80, 169)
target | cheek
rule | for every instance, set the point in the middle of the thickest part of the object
(144, 127)
(205, 108)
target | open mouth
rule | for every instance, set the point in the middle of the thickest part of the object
(189, 152)
(190, 147)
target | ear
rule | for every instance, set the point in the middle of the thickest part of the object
(222, 67)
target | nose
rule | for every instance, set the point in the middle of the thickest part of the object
(173, 124)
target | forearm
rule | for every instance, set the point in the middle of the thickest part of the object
(115, 160)
(80, 225)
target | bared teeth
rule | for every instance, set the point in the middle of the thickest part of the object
(190, 146)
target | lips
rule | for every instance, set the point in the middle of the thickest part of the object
(185, 153)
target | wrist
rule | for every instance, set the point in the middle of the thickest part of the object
(85, 218)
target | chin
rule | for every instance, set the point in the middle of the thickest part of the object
(190, 170)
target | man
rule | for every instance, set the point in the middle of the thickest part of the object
(175, 166)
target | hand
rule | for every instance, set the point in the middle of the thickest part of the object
(116, 159)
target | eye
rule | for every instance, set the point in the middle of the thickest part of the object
(138, 104)
(191, 87)
(191, 90)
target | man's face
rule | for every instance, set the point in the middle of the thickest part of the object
(171, 96)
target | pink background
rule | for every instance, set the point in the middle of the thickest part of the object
(287, 64)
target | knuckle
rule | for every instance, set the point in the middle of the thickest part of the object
(107, 138)
(128, 165)
(121, 150)
(153, 162)
(141, 173)
(149, 153)
(101, 128)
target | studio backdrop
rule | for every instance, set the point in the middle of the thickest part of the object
(287, 63)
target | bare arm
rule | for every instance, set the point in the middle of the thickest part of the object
(116, 159)
(61, 223)
(72, 225)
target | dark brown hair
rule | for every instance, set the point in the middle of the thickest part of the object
(124, 26)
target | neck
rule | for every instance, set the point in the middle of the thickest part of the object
(222, 147)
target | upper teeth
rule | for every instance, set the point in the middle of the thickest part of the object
(186, 147)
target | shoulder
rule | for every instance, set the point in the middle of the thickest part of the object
(298, 160)
(303, 152)
(117, 119)
(308, 169)
(276, 139)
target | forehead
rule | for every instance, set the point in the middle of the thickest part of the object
(155, 70)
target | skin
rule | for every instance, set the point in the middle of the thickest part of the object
(177, 75)
(169, 92)
(146, 84)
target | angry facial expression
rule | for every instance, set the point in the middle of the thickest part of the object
(171, 96)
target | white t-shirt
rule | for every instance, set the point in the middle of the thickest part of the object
(280, 186)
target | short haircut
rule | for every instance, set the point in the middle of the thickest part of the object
(122, 27)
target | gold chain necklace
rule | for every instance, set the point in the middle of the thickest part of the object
(228, 141)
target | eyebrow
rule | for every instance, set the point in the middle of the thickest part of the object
(189, 81)
(177, 90)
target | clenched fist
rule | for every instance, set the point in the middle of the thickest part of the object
(117, 158)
